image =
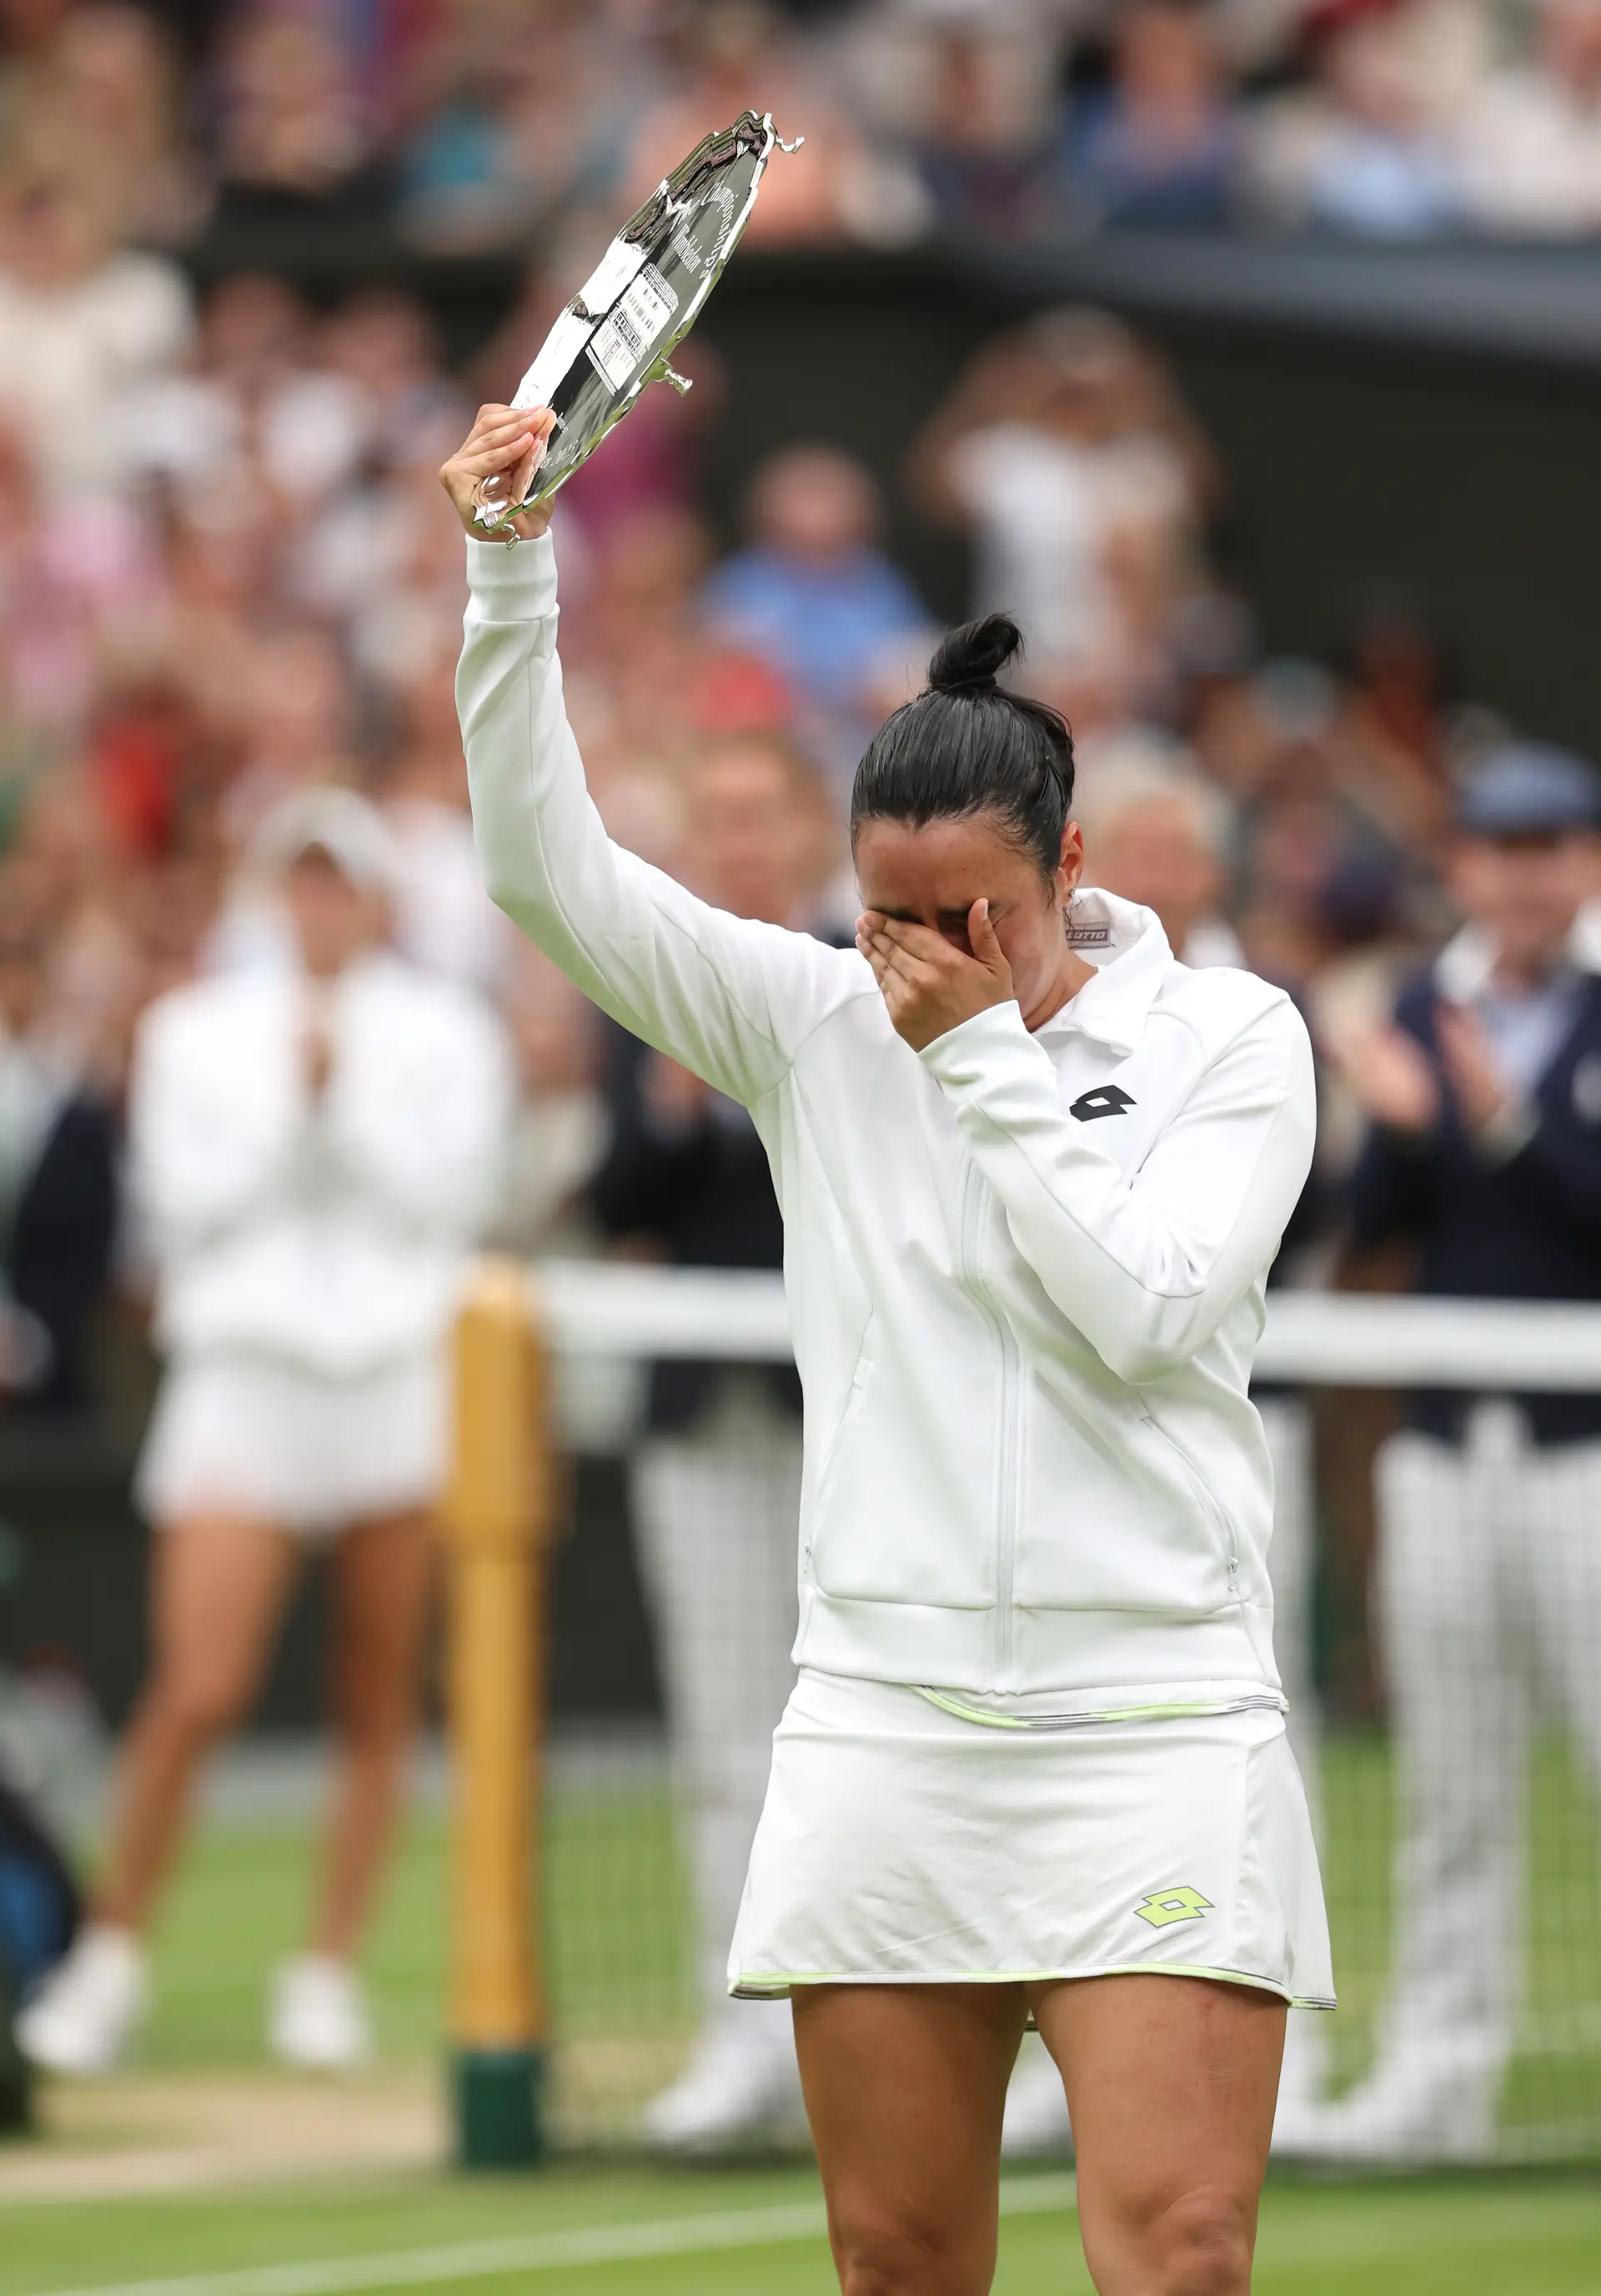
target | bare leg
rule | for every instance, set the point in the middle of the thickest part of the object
(1172, 2082)
(383, 1578)
(905, 2087)
(217, 1590)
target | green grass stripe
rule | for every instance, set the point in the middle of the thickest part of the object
(487, 2259)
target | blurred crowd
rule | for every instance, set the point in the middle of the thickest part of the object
(469, 125)
(227, 573)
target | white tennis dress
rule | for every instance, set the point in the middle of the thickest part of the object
(1039, 1729)
(905, 1841)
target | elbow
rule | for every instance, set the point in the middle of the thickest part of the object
(1138, 1363)
(504, 900)
(498, 881)
(1141, 1353)
(519, 887)
(513, 897)
(498, 842)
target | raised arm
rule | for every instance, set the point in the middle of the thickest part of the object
(730, 998)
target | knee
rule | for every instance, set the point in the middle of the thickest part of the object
(196, 1705)
(376, 1725)
(1201, 2246)
(905, 2260)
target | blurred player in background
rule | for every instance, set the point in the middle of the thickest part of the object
(716, 1484)
(1486, 1155)
(314, 1145)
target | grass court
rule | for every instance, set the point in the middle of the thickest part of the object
(219, 2218)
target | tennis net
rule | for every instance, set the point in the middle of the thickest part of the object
(1439, 1595)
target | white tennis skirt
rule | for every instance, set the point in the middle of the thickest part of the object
(253, 1435)
(902, 1843)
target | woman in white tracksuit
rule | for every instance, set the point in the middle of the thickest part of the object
(314, 1145)
(1032, 1172)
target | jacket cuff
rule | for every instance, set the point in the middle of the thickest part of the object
(519, 582)
(961, 1056)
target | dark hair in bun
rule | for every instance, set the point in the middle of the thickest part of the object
(966, 745)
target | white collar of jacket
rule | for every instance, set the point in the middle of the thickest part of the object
(1464, 966)
(1129, 951)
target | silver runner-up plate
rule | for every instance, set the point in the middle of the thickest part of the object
(636, 307)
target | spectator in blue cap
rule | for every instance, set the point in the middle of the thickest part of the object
(1528, 791)
(1484, 1154)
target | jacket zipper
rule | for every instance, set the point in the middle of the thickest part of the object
(853, 1406)
(1210, 1510)
(1008, 1464)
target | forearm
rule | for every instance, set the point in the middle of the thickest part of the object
(1147, 1266)
(546, 858)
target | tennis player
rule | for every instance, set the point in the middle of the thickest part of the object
(1033, 1171)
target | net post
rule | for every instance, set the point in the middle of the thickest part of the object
(496, 1519)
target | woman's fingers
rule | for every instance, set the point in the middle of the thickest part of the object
(903, 963)
(501, 437)
(528, 462)
(497, 417)
(485, 460)
(906, 935)
(879, 949)
(505, 443)
(982, 940)
(529, 428)
(920, 959)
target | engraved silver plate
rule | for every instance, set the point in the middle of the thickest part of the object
(636, 307)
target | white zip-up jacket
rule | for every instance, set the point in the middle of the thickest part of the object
(1024, 1271)
(328, 1233)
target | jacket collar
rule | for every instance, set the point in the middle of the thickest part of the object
(1129, 950)
(1463, 968)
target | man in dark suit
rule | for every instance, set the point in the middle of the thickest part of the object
(58, 1189)
(716, 1482)
(1484, 1154)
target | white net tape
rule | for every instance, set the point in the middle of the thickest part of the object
(589, 1308)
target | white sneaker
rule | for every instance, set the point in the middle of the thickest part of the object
(741, 2081)
(318, 2016)
(88, 2009)
(1036, 2127)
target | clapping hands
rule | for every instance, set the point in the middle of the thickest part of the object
(1390, 1073)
